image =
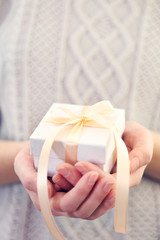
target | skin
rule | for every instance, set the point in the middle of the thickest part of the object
(84, 190)
(8, 151)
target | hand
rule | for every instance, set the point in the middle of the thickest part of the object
(90, 190)
(67, 203)
(139, 143)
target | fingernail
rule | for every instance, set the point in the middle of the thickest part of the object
(107, 187)
(55, 178)
(92, 179)
(135, 164)
(80, 168)
(65, 172)
(111, 200)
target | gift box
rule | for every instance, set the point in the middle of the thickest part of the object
(74, 133)
(95, 145)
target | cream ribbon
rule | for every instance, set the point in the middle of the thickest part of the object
(92, 116)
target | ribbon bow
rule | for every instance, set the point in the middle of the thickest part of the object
(92, 116)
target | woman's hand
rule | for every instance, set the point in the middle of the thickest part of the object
(90, 190)
(87, 193)
(139, 143)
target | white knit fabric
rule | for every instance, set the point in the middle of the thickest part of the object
(78, 52)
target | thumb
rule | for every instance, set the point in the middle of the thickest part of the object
(139, 157)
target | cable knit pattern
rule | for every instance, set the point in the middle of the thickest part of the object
(146, 98)
(98, 50)
(43, 57)
(78, 52)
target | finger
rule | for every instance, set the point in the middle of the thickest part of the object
(134, 162)
(94, 200)
(136, 177)
(139, 156)
(61, 182)
(55, 201)
(34, 196)
(107, 204)
(57, 188)
(84, 167)
(140, 141)
(24, 168)
(70, 201)
(56, 198)
(69, 172)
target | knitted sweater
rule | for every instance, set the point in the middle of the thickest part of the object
(78, 52)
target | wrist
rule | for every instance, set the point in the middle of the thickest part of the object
(8, 152)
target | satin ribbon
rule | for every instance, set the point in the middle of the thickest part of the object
(92, 116)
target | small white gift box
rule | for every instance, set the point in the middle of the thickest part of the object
(96, 144)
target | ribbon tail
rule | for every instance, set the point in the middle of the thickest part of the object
(42, 185)
(122, 189)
